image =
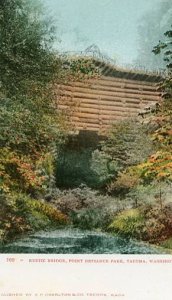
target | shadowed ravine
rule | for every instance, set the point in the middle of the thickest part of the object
(75, 241)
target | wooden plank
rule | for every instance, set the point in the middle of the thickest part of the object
(118, 88)
(114, 92)
(102, 107)
(138, 82)
(90, 128)
(99, 106)
(98, 109)
(118, 84)
(122, 93)
(81, 120)
(124, 89)
(81, 92)
(86, 124)
(104, 123)
(105, 111)
(92, 116)
(101, 101)
(111, 97)
(94, 96)
(103, 104)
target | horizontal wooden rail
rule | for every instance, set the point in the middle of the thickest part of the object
(96, 104)
(113, 88)
(122, 93)
(122, 97)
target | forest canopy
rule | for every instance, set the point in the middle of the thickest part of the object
(28, 69)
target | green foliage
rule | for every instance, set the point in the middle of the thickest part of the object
(87, 208)
(25, 52)
(26, 127)
(18, 173)
(148, 223)
(126, 181)
(79, 69)
(128, 143)
(152, 143)
(158, 166)
(10, 223)
(82, 166)
(167, 243)
(149, 194)
(31, 130)
(30, 125)
(29, 205)
(83, 197)
(91, 218)
(128, 223)
(166, 48)
(104, 169)
(20, 214)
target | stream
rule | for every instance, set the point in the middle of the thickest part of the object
(76, 241)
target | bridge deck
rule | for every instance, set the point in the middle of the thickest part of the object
(95, 104)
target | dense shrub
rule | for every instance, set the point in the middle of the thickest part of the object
(79, 69)
(91, 218)
(84, 165)
(88, 208)
(18, 172)
(11, 223)
(128, 223)
(125, 182)
(20, 213)
(148, 223)
(85, 197)
(148, 194)
(158, 223)
(167, 243)
(128, 143)
(30, 125)
(25, 204)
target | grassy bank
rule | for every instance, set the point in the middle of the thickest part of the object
(89, 209)
(20, 214)
(86, 209)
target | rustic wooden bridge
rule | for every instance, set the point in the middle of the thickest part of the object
(118, 94)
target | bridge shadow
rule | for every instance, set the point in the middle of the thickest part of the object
(74, 165)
